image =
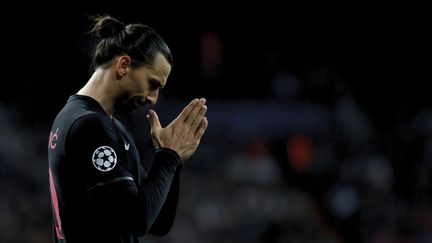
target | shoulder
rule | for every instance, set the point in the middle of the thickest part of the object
(91, 131)
(92, 119)
(92, 122)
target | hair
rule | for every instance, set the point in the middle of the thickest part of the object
(138, 41)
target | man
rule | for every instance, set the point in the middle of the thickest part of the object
(99, 190)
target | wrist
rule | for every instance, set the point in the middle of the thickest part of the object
(172, 154)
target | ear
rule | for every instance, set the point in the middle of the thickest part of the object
(123, 62)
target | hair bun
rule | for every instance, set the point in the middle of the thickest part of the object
(107, 26)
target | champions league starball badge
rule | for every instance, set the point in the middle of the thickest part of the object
(104, 158)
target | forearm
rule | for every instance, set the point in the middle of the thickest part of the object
(133, 208)
(153, 193)
(165, 219)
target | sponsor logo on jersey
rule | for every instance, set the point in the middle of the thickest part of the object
(52, 143)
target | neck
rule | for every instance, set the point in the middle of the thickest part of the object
(102, 87)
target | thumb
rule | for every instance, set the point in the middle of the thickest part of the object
(154, 120)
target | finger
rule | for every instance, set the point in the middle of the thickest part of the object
(154, 120)
(187, 110)
(193, 114)
(202, 128)
(197, 121)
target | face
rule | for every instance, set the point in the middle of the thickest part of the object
(142, 84)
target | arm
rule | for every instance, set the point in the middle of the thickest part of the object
(183, 136)
(159, 194)
(166, 216)
(114, 200)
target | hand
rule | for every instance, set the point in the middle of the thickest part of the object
(184, 133)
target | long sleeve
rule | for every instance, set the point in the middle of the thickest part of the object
(167, 214)
(159, 193)
(114, 200)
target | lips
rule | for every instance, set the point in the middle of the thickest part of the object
(134, 103)
(130, 104)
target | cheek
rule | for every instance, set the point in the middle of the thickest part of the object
(136, 86)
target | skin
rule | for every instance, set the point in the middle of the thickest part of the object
(121, 85)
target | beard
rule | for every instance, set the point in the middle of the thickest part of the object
(128, 104)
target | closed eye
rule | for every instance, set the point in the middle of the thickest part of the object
(155, 84)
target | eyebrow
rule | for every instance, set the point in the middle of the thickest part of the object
(156, 82)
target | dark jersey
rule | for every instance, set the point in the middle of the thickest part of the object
(99, 189)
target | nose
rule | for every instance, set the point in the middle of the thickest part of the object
(152, 98)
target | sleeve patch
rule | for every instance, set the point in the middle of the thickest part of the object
(104, 158)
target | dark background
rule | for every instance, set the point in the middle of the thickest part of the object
(379, 51)
(319, 117)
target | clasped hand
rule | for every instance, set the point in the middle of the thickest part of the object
(184, 133)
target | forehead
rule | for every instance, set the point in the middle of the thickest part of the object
(161, 68)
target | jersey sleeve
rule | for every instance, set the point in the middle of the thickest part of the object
(114, 200)
(97, 153)
(167, 214)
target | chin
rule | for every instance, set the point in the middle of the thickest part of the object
(132, 107)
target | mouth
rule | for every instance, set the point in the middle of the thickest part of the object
(135, 103)
(141, 102)
(132, 104)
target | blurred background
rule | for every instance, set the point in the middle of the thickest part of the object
(320, 118)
